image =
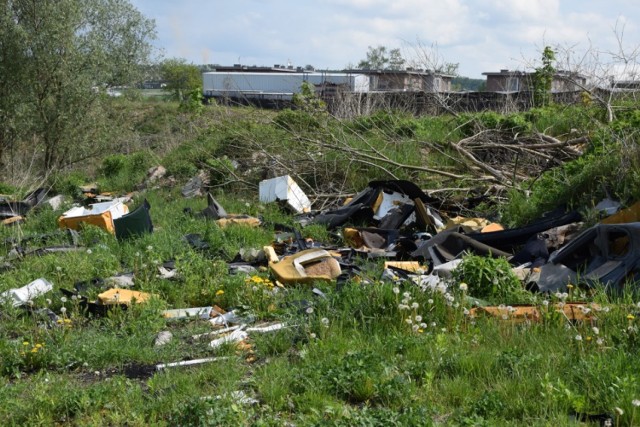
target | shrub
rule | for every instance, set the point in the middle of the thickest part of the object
(491, 279)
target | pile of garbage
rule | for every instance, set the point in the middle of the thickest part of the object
(393, 221)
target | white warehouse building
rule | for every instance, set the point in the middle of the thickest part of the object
(276, 85)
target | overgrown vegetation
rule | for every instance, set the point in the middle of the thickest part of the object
(373, 352)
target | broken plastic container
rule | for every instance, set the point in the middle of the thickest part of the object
(284, 188)
(99, 214)
(21, 296)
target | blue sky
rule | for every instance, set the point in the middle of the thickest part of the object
(486, 35)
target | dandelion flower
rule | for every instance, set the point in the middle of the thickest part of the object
(415, 305)
(407, 295)
(418, 318)
(58, 268)
(423, 325)
(63, 299)
(396, 290)
(630, 316)
(430, 301)
(635, 402)
(149, 248)
(219, 292)
(63, 310)
(309, 310)
(324, 321)
(25, 343)
(545, 303)
(578, 337)
(409, 321)
(464, 287)
(595, 330)
(415, 328)
(619, 411)
(89, 251)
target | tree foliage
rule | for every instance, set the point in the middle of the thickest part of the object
(57, 59)
(382, 58)
(180, 78)
(543, 78)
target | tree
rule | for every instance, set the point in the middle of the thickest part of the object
(543, 78)
(58, 58)
(381, 58)
(181, 78)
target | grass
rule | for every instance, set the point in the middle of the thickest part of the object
(372, 353)
(352, 359)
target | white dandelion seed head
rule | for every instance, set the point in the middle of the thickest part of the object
(418, 318)
(545, 303)
(423, 325)
(396, 290)
(619, 411)
(578, 337)
(464, 287)
(63, 299)
(415, 305)
(635, 402)
(309, 310)
(324, 321)
(63, 310)
(89, 251)
(600, 341)
(415, 328)
(409, 321)
(430, 301)
(595, 330)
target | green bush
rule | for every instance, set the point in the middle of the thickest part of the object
(491, 279)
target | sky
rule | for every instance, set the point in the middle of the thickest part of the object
(487, 35)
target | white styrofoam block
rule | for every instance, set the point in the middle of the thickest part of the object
(21, 296)
(286, 189)
(116, 207)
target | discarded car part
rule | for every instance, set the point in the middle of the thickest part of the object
(606, 254)
(25, 294)
(135, 223)
(409, 266)
(98, 214)
(534, 252)
(214, 210)
(307, 266)
(397, 216)
(118, 296)
(630, 214)
(370, 238)
(161, 366)
(9, 209)
(448, 245)
(529, 313)
(284, 189)
(508, 240)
